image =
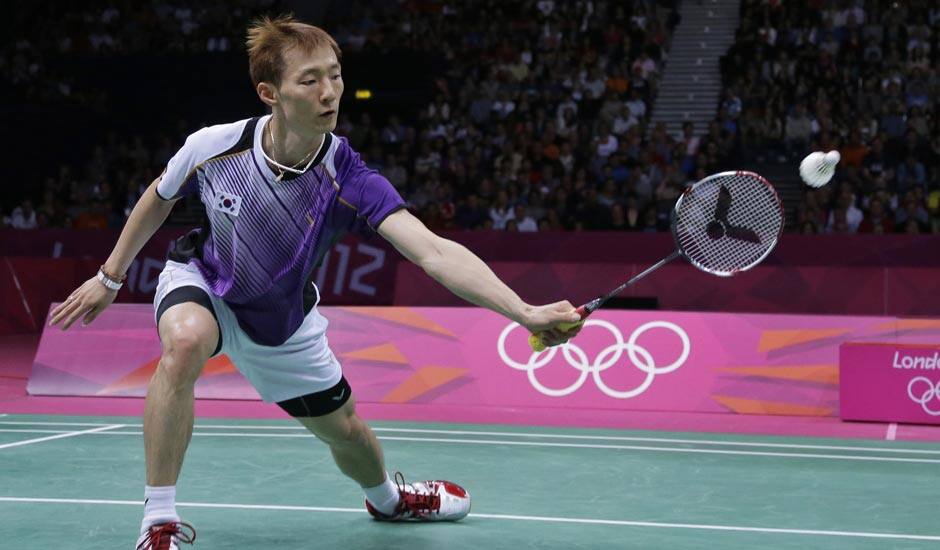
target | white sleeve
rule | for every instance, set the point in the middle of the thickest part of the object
(180, 178)
(180, 168)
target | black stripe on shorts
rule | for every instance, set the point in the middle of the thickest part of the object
(318, 403)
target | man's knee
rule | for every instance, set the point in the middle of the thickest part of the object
(187, 341)
(182, 359)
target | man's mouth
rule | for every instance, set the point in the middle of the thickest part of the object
(325, 114)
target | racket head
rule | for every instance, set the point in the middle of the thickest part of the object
(728, 222)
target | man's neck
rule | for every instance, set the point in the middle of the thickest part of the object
(290, 146)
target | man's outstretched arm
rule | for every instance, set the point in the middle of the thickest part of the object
(467, 276)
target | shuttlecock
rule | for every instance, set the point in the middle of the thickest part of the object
(817, 168)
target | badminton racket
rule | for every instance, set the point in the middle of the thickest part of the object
(724, 224)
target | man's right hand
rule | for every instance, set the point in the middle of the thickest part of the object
(88, 300)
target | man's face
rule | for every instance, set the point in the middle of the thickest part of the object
(311, 87)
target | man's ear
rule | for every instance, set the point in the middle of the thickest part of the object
(268, 93)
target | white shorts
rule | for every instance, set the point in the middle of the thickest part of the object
(301, 365)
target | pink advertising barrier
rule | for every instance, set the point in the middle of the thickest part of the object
(640, 360)
(890, 382)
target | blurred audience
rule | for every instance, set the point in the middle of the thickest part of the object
(857, 76)
(538, 118)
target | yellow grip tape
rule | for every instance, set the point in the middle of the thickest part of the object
(535, 340)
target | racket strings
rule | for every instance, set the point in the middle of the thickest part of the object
(717, 220)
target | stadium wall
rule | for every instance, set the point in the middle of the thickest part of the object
(862, 275)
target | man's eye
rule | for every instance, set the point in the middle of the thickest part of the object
(308, 82)
(337, 76)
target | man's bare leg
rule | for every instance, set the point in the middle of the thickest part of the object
(353, 444)
(188, 334)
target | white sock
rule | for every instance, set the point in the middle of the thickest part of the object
(384, 496)
(159, 505)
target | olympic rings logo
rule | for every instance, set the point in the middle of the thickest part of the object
(577, 358)
(930, 393)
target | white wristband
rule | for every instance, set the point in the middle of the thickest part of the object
(103, 279)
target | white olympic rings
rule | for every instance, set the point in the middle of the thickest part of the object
(922, 398)
(577, 358)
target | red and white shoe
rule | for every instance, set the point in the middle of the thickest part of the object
(427, 501)
(166, 536)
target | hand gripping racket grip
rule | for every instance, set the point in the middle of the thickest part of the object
(535, 340)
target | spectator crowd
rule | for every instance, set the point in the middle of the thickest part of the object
(43, 37)
(855, 76)
(540, 111)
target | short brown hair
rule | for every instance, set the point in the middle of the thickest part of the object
(268, 39)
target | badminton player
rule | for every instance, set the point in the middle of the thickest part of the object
(278, 190)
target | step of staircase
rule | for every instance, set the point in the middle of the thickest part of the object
(691, 86)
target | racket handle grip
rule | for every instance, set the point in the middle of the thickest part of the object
(535, 340)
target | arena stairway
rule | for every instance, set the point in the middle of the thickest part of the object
(690, 86)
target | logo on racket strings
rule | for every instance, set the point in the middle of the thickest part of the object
(923, 391)
(640, 357)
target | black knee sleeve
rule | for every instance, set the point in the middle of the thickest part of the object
(319, 403)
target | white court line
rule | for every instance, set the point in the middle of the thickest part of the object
(547, 519)
(892, 431)
(60, 436)
(583, 446)
(33, 431)
(38, 423)
(671, 450)
(526, 434)
(667, 440)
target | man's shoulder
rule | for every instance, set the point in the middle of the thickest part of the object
(341, 144)
(341, 154)
(219, 132)
(213, 140)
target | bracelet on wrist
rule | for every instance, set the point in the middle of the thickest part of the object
(108, 282)
(115, 278)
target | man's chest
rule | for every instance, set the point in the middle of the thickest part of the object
(301, 202)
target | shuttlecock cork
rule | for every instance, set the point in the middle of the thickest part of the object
(817, 168)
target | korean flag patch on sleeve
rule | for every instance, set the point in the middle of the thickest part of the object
(228, 203)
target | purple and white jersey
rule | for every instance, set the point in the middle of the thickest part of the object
(263, 238)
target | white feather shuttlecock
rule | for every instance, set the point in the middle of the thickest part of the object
(817, 168)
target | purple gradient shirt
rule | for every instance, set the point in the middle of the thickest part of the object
(263, 237)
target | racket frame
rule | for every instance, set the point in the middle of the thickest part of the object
(675, 217)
